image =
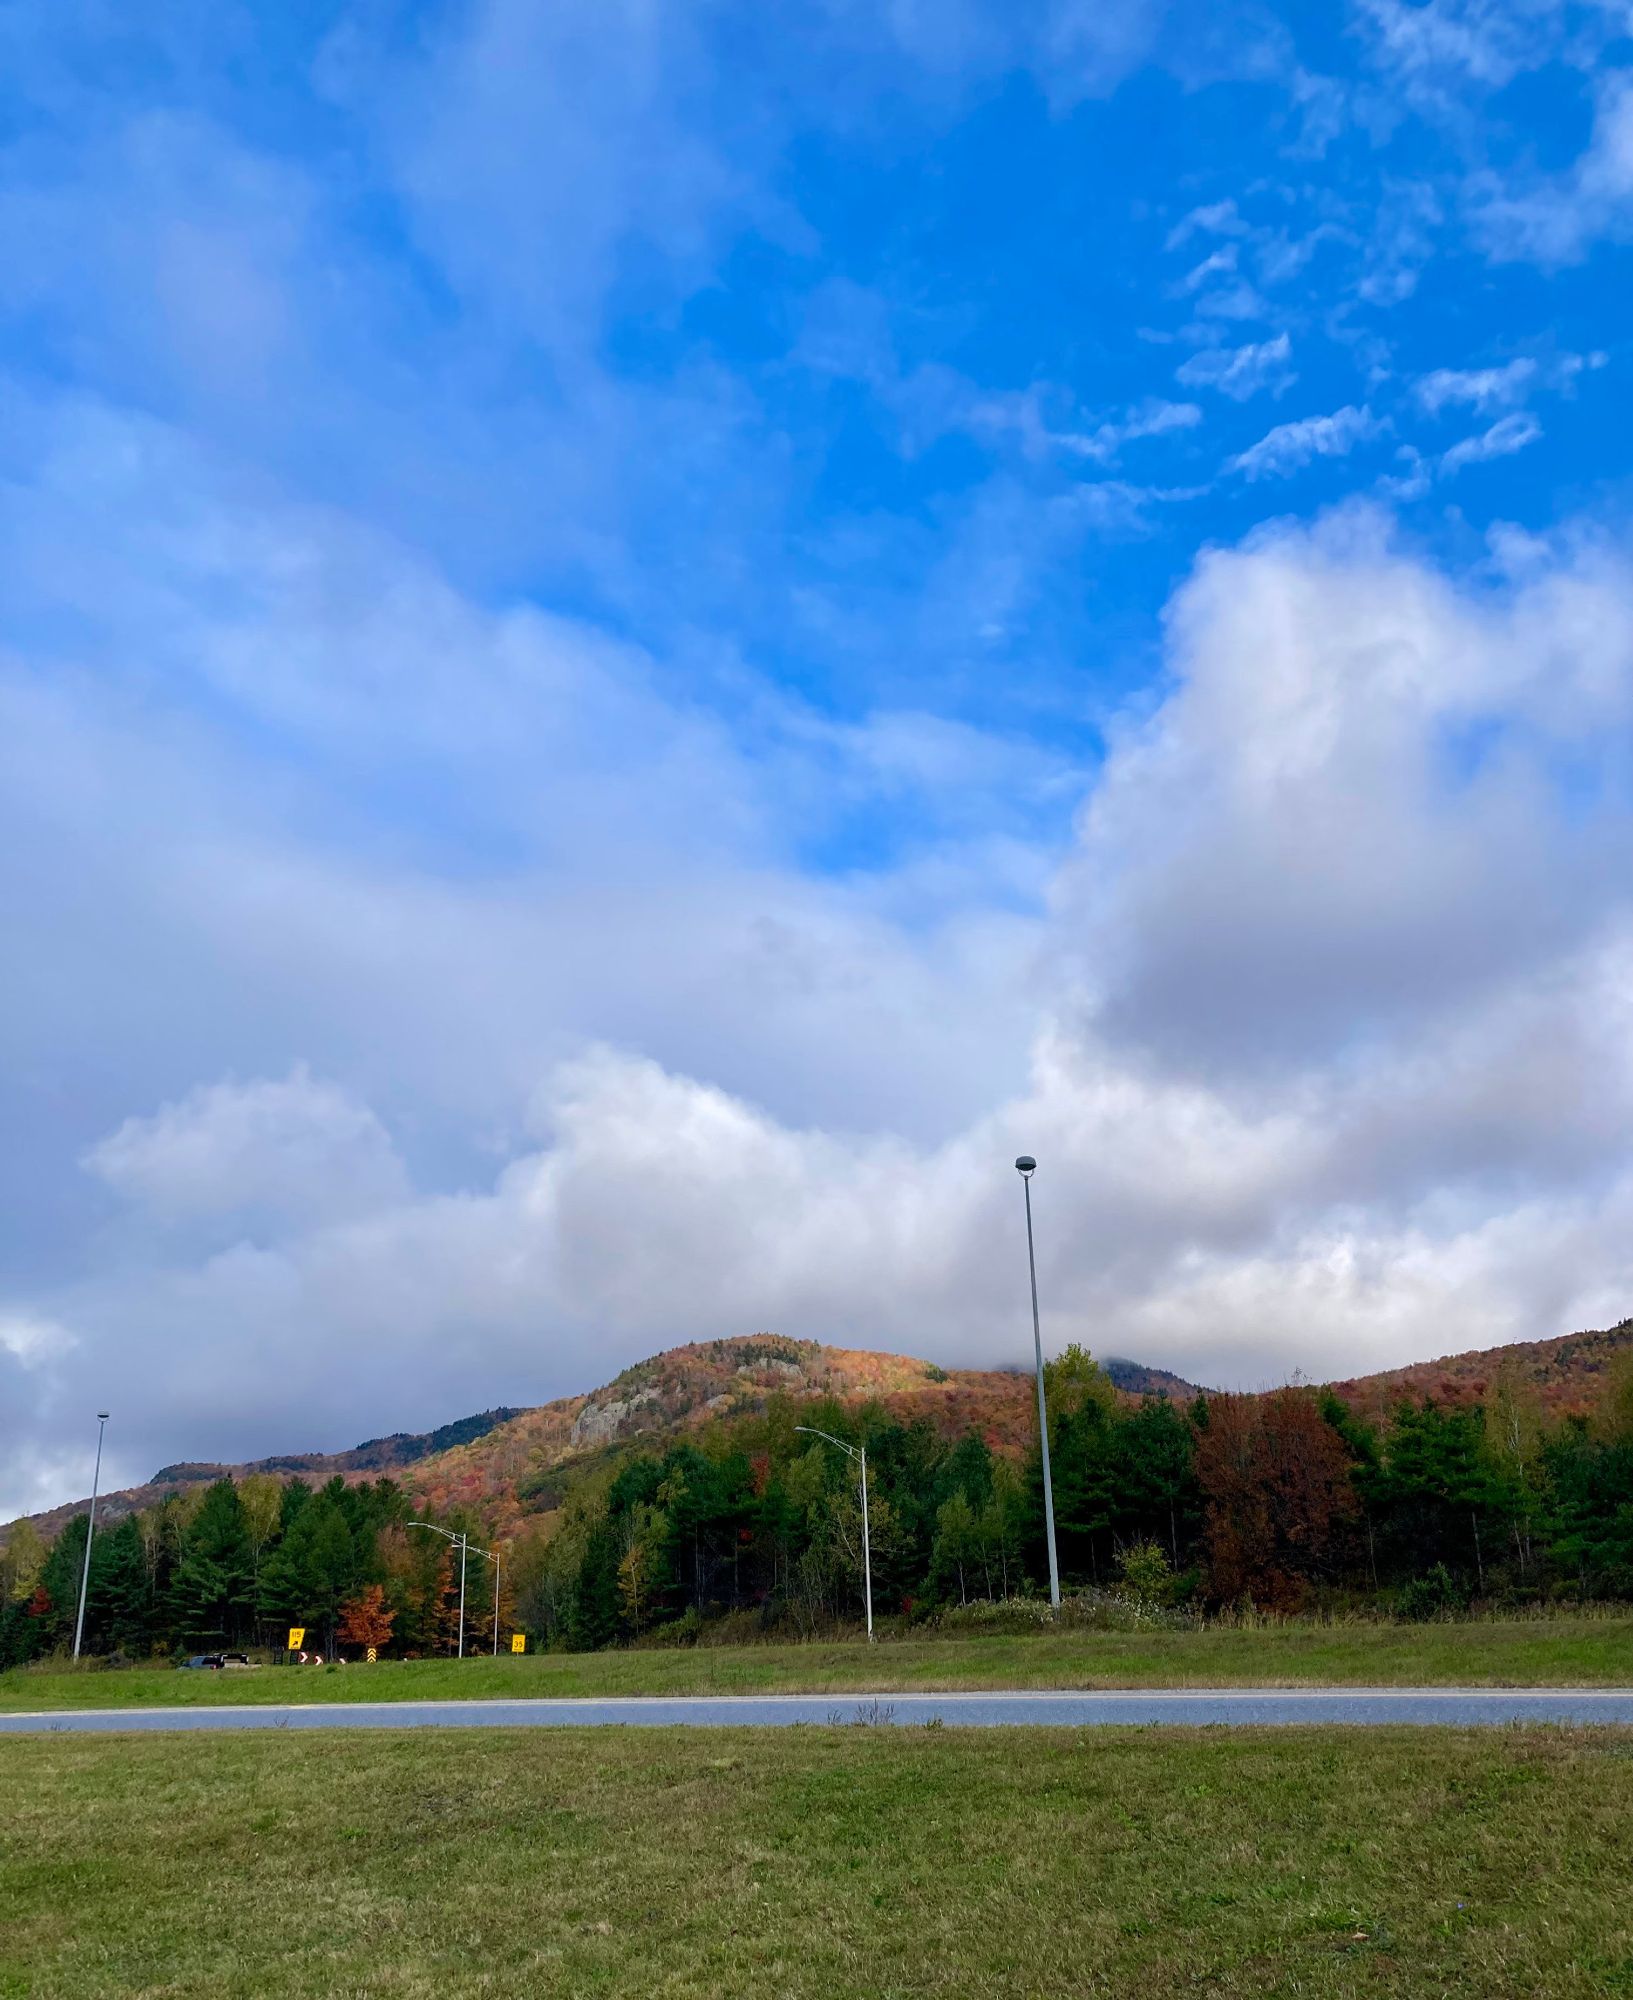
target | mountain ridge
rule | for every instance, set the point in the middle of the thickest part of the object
(503, 1461)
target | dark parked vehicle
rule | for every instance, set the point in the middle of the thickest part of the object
(212, 1660)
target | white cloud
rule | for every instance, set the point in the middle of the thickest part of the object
(1401, 240)
(1321, 1029)
(1086, 47)
(33, 1480)
(1482, 388)
(296, 1148)
(1349, 813)
(1152, 418)
(1217, 263)
(1240, 372)
(532, 148)
(1238, 301)
(1290, 446)
(32, 1339)
(1507, 435)
(1215, 218)
(1428, 42)
(1554, 220)
(1329, 1060)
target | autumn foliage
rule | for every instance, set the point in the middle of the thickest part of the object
(1277, 1498)
(366, 1619)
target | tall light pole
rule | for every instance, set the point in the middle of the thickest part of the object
(1026, 1167)
(462, 1543)
(90, 1530)
(493, 1557)
(861, 1456)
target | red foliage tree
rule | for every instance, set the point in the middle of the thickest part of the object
(1278, 1502)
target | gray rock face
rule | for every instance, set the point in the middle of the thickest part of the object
(600, 1423)
(786, 1371)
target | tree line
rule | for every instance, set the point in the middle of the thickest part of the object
(1288, 1501)
(234, 1565)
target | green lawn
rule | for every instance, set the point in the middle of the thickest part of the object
(819, 1862)
(1565, 1652)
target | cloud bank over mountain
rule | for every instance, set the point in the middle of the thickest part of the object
(634, 651)
(1320, 1028)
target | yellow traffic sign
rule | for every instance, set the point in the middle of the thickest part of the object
(372, 1656)
(297, 1637)
(518, 1642)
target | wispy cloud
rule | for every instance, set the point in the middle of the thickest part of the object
(1555, 219)
(1508, 435)
(1480, 388)
(1486, 41)
(1236, 301)
(1241, 372)
(1218, 261)
(1214, 218)
(1289, 446)
(1152, 418)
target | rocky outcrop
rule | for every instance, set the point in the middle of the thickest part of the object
(777, 1371)
(600, 1423)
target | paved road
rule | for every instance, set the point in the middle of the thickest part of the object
(1461, 1707)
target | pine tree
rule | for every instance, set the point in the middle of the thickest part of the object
(211, 1597)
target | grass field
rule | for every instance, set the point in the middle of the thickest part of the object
(821, 1862)
(1563, 1652)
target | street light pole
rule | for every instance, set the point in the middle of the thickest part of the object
(867, 1546)
(493, 1557)
(1026, 1167)
(90, 1530)
(861, 1456)
(462, 1543)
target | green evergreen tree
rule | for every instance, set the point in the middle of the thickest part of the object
(211, 1597)
(592, 1619)
(126, 1619)
(1157, 1497)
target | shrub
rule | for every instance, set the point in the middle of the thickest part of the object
(1147, 1574)
(1083, 1611)
(1431, 1595)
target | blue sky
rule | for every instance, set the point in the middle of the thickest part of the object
(599, 595)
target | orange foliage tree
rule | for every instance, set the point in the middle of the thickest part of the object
(366, 1619)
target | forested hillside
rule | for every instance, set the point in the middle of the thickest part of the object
(1565, 1376)
(385, 1454)
(522, 1468)
(511, 1464)
(692, 1489)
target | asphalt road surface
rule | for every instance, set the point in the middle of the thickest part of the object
(1190, 1707)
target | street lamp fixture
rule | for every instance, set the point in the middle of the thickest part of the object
(1026, 1167)
(860, 1454)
